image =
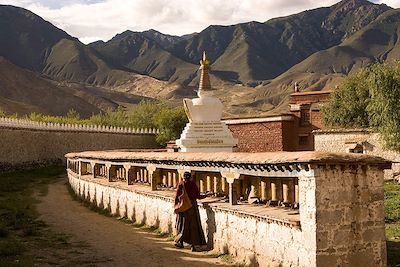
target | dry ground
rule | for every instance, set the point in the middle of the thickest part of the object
(112, 242)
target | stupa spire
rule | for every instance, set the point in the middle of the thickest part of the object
(205, 131)
(204, 83)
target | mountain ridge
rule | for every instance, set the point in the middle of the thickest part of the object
(257, 62)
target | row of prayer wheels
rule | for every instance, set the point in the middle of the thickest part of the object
(272, 191)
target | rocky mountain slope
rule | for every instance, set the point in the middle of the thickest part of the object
(255, 65)
(23, 91)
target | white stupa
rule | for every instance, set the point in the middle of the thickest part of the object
(205, 131)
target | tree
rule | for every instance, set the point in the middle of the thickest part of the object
(170, 122)
(73, 114)
(147, 114)
(369, 99)
(142, 115)
(348, 104)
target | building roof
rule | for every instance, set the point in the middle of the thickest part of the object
(308, 157)
(343, 130)
(283, 117)
(307, 93)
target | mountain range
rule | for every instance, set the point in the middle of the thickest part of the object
(254, 65)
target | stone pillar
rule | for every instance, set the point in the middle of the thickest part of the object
(342, 215)
(127, 169)
(233, 180)
(154, 176)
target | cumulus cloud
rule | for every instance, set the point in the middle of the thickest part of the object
(91, 20)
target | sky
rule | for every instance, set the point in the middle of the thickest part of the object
(92, 20)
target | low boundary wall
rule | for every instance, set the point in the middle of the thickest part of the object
(25, 144)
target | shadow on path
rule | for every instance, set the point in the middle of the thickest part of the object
(120, 243)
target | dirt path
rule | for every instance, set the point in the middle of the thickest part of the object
(119, 243)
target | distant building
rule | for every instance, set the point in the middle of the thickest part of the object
(286, 132)
(361, 141)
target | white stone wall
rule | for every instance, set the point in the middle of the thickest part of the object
(349, 216)
(21, 148)
(335, 141)
(251, 239)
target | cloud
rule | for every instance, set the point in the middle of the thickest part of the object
(392, 3)
(90, 20)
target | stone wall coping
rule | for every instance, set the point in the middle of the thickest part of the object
(12, 123)
(265, 158)
(342, 130)
(259, 120)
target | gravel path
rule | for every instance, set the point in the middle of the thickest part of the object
(119, 243)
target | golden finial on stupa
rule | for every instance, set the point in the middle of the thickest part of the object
(204, 62)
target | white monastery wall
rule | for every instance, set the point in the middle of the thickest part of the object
(24, 145)
(341, 140)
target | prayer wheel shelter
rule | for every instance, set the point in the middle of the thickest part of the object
(283, 208)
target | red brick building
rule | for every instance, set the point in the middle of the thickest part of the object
(286, 132)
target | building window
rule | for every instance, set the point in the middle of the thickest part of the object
(304, 117)
(355, 148)
(303, 140)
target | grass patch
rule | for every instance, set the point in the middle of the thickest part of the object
(228, 259)
(19, 226)
(392, 211)
(392, 202)
(156, 230)
(170, 237)
(149, 228)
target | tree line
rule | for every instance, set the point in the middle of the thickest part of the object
(169, 120)
(369, 98)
